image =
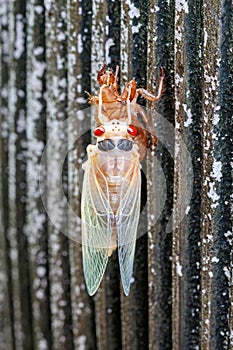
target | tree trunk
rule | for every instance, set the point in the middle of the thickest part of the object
(181, 290)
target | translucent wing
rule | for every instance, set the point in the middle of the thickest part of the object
(96, 225)
(127, 222)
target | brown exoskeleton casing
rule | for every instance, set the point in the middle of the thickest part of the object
(114, 105)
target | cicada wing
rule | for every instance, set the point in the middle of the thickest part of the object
(94, 265)
(96, 225)
(127, 223)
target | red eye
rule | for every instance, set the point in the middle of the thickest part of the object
(99, 131)
(132, 130)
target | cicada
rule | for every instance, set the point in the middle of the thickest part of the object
(111, 194)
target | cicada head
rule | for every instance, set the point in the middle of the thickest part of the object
(115, 129)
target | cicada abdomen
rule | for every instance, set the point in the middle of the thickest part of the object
(110, 202)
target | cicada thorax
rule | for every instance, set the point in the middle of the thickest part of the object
(114, 166)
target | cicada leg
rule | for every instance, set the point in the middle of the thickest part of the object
(115, 84)
(129, 91)
(93, 100)
(100, 74)
(148, 95)
(106, 77)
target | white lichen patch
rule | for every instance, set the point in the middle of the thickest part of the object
(216, 116)
(178, 267)
(205, 37)
(21, 122)
(229, 237)
(80, 43)
(215, 259)
(81, 343)
(109, 43)
(39, 9)
(212, 194)
(210, 273)
(41, 271)
(228, 274)
(133, 10)
(38, 51)
(188, 112)
(20, 37)
(182, 5)
(217, 170)
(136, 29)
(4, 129)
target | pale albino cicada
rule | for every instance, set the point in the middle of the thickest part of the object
(111, 198)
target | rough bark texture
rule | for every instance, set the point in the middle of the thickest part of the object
(181, 293)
